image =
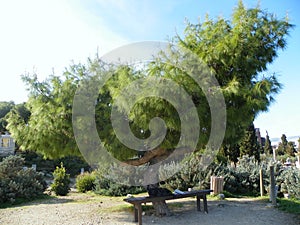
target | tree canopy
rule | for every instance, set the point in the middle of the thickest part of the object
(237, 50)
(5, 107)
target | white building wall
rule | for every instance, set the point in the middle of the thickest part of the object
(7, 145)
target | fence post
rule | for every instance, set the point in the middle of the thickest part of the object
(261, 183)
(272, 186)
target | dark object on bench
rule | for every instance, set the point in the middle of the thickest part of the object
(158, 191)
(137, 202)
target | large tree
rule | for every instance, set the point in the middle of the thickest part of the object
(237, 50)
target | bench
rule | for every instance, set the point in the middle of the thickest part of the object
(137, 202)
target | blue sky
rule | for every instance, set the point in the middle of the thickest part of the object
(45, 36)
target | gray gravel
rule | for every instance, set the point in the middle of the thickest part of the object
(69, 211)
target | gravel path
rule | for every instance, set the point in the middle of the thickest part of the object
(81, 209)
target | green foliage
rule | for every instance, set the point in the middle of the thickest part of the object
(232, 151)
(61, 182)
(286, 147)
(50, 121)
(110, 188)
(85, 182)
(73, 164)
(190, 174)
(16, 182)
(242, 179)
(288, 180)
(238, 50)
(268, 146)
(249, 145)
(5, 107)
(107, 183)
(281, 149)
(291, 148)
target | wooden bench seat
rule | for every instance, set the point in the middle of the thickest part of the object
(137, 201)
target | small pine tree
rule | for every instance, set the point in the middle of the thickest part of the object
(61, 181)
(268, 146)
(282, 147)
(233, 153)
(290, 149)
(249, 144)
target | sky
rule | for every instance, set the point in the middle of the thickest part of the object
(45, 36)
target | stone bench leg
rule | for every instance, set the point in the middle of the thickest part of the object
(198, 203)
(138, 213)
(205, 203)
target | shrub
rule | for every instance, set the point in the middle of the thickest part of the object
(61, 181)
(85, 182)
(16, 182)
(190, 174)
(288, 181)
(106, 182)
(242, 179)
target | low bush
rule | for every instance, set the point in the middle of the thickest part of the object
(288, 181)
(85, 182)
(190, 174)
(18, 182)
(240, 180)
(107, 178)
(61, 183)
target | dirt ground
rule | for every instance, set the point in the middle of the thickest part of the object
(87, 209)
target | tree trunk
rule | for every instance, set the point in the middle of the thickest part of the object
(161, 208)
(154, 156)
